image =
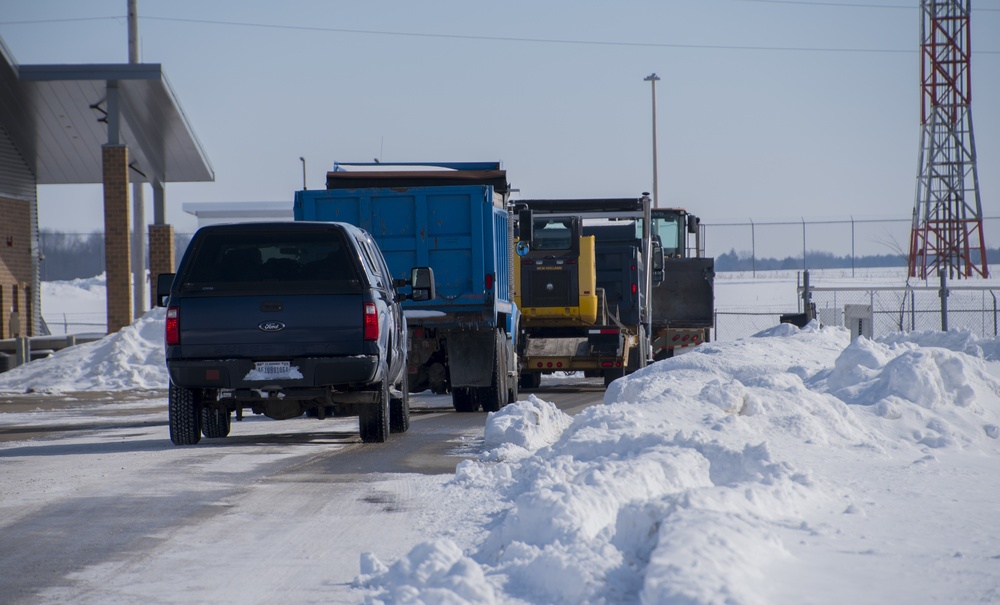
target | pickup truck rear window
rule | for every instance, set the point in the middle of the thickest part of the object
(299, 261)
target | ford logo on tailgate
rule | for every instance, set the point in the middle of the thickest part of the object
(271, 326)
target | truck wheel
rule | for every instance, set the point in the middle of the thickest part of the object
(399, 408)
(510, 378)
(184, 415)
(215, 421)
(418, 381)
(531, 380)
(494, 397)
(512, 382)
(464, 399)
(373, 420)
(611, 376)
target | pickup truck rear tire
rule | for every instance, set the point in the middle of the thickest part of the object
(399, 407)
(373, 419)
(215, 422)
(184, 415)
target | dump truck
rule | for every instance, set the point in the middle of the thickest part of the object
(683, 302)
(453, 218)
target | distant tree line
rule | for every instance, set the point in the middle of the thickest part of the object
(733, 261)
(68, 256)
(79, 255)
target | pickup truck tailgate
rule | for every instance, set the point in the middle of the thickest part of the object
(263, 327)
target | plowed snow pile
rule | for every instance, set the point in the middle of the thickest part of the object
(131, 358)
(792, 467)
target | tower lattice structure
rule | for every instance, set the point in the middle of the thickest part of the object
(947, 232)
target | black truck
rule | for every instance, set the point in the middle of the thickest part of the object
(286, 319)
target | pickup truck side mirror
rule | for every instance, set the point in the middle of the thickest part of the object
(422, 284)
(163, 283)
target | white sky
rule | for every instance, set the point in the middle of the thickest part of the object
(758, 116)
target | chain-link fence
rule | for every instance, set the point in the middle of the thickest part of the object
(75, 323)
(814, 243)
(909, 309)
(880, 311)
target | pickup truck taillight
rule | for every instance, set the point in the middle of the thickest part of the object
(173, 327)
(371, 321)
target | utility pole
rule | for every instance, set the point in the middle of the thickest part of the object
(138, 202)
(653, 79)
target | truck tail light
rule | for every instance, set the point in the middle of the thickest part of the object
(635, 288)
(371, 321)
(172, 337)
(489, 281)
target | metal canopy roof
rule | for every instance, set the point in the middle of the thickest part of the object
(57, 117)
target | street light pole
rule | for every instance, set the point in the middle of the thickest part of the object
(653, 78)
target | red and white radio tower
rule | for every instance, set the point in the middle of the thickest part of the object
(947, 233)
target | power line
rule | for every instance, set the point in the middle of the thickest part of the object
(507, 38)
(850, 5)
(544, 40)
(64, 20)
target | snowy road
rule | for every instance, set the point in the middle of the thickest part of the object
(97, 506)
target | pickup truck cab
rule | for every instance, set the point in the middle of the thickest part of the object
(285, 319)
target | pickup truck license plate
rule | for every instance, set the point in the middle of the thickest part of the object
(272, 367)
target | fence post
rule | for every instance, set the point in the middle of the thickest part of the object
(913, 311)
(807, 296)
(805, 267)
(852, 245)
(993, 294)
(943, 293)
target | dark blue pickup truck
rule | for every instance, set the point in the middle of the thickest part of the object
(286, 319)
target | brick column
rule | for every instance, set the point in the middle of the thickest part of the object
(117, 251)
(161, 255)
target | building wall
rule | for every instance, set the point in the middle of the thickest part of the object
(20, 285)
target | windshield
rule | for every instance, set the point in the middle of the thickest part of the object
(553, 234)
(668, 230)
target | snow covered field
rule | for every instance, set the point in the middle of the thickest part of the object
(792, 467)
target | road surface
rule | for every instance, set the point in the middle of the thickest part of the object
(97, 506)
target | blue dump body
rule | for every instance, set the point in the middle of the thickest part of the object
(454, 219)
(457, 230)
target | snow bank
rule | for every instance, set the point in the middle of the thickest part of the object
(131, 358)
(681, 488)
